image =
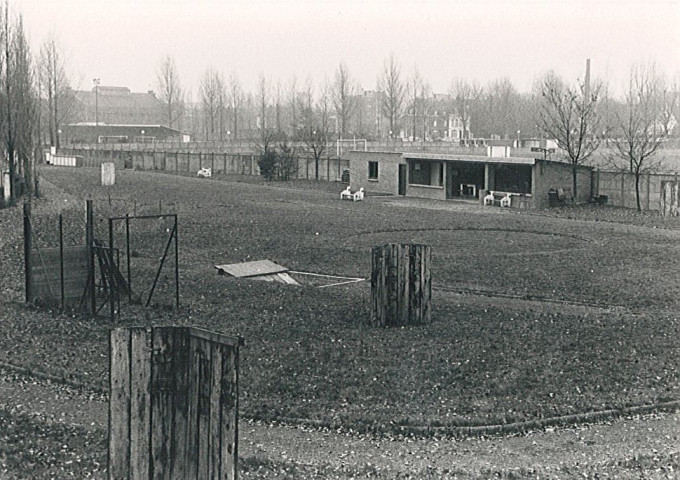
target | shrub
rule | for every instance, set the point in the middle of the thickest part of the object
(267, 164)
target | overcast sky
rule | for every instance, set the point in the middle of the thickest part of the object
(122, 42)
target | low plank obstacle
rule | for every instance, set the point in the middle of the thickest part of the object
(173, 404)
(401, 285)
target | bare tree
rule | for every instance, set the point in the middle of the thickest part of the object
(278, 100)
(569, 116)
(170, 91)
(306, 102)
(501, 101)
(210, 92)
(221, 106)
(641, 129)
(393, 93)
(324, 105)
(466, 96)
(18, 102)
(266, 137)
(54, 79)
(293, 107)
(236, 99)
(417, 91)
(345, 90)
(316, 143)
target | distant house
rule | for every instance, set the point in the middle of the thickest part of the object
(117, 106)
(105, 133)
(450, 176)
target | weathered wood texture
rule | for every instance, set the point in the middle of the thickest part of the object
(401, 286)
(45, 271)
(670, 200)
(173, 408)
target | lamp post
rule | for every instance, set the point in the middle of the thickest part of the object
(518, 132)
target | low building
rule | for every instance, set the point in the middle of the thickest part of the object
(448, 176)
(117, 105)
(105, 133)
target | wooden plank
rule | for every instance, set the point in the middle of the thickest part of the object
(161, 403)
(214, 336)
(229, 406)
(46, 272)
(415, 297)
(191, 459)
(119, 404)
(215, 411)
(204, 385)
(251, 269)
(181, 368)
(404, 299)
(392, 274)
(140, 402)
(427, 284)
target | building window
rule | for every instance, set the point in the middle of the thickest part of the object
(372, 170)
(426, 173)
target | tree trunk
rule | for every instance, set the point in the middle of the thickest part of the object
(574, 173)
(637, 191)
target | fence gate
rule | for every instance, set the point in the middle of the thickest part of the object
(173, 405)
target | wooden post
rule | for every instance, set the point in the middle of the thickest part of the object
(401, 287)
(173, 406)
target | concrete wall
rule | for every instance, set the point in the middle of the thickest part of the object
(190, 162)
(426, 191)
(619, 187)
(551, 175)
(388, 171)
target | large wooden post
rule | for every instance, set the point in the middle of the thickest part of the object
(401, 286)
(173, 404)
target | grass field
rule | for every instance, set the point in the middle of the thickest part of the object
(534, 314)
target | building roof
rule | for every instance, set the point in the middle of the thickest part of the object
(469, 158)
(118, 98)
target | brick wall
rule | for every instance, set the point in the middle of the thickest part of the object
(552, 175)
(388, 171)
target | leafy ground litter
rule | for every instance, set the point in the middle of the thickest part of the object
(483, 360)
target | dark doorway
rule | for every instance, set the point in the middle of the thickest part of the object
(513, 178)
(402, 179)
(464, 180)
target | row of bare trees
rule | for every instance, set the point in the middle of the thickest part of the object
(18, 103)
(581, 118)
(36, 99)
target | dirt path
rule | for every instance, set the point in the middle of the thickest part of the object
(597, 448)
